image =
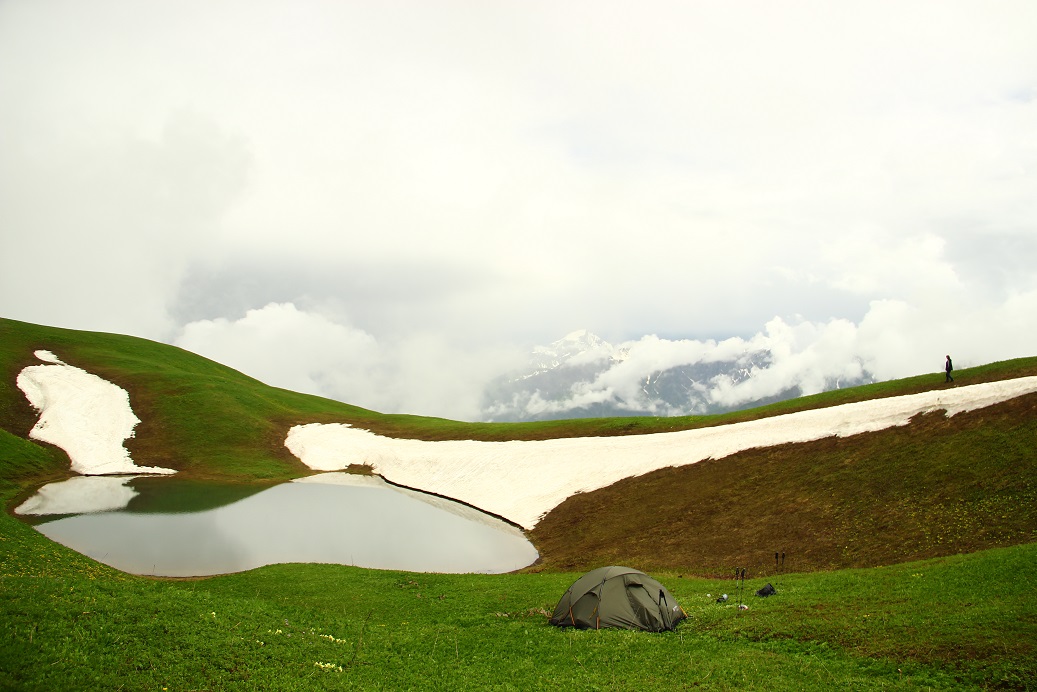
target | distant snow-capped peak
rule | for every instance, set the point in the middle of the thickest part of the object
(580, 346)
(582, 375)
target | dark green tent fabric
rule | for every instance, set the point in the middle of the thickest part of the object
(618, 597)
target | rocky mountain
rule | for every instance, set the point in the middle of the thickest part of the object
(582, 375)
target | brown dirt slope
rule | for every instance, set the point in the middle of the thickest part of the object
(936, 487)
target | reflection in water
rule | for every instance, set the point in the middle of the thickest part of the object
(83, 494)
(332, 518)
(79, 495)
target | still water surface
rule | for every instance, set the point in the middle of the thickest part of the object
(136, 525)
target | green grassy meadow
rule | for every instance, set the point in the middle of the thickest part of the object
(913, 556)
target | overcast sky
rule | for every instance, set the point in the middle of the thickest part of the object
(389, 202)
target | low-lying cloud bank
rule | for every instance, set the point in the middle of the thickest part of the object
(319, 352)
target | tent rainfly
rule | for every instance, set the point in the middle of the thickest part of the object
(618, 597)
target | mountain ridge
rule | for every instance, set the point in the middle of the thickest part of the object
(583, 375)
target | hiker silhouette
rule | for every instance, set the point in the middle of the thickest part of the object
(947, 368)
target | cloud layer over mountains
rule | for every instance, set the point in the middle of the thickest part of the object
(582, 374)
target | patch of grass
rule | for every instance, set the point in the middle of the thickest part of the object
(69, 623)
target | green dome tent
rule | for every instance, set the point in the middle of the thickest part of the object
(618, 597)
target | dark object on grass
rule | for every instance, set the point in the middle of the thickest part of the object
(618, 597)
(722, 599)
(766, 591)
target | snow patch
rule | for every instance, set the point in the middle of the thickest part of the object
(523, 480)
(84, 415)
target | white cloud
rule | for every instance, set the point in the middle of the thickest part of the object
(289, 348)
(809, 356)
(308, 352)
(99, 231)
(496, 175)
(894, 339)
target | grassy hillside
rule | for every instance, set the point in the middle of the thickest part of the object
(840, 502)
(874, 502)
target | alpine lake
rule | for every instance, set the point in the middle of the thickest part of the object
(169, 527)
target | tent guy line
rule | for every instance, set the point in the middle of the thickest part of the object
(520, 481)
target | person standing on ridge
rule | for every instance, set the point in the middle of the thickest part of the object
(948, 367)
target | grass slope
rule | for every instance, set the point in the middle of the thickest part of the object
(951, 621)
